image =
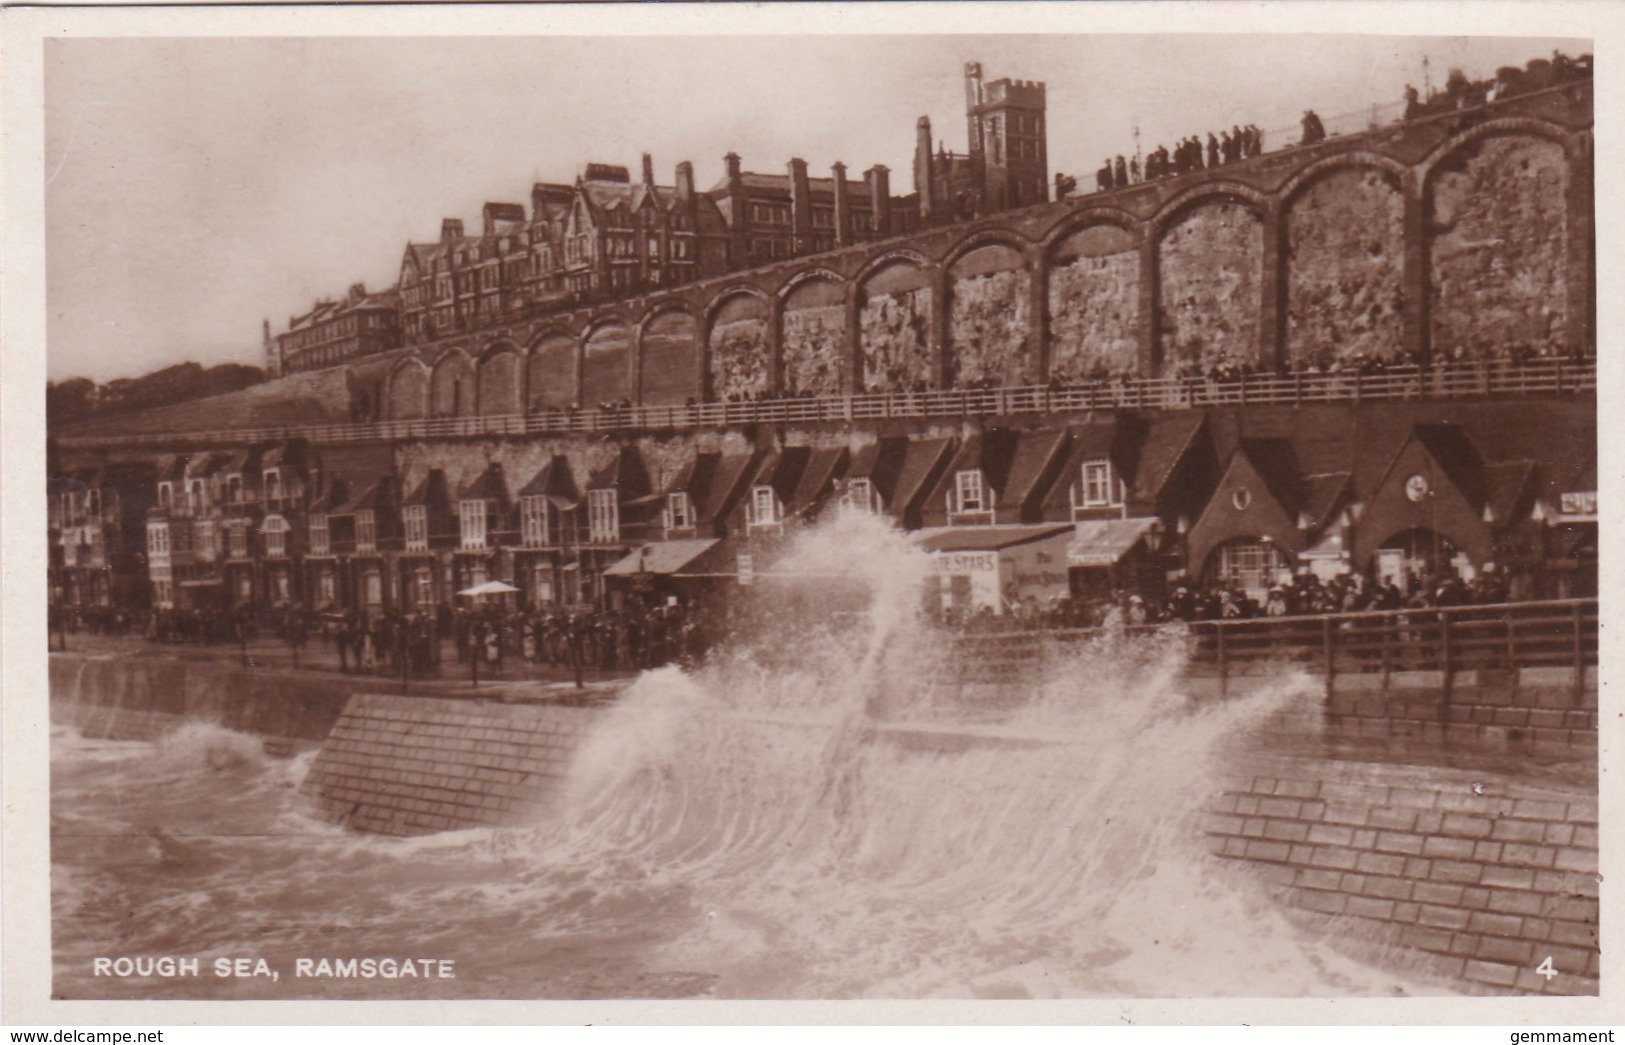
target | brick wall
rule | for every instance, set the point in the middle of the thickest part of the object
(1484, 875)
(413, 765)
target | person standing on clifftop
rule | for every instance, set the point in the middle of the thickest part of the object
(1313, 130)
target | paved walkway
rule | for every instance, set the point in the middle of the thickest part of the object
(516, 681)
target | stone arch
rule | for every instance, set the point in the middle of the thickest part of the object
(1210, 278)
(669, 354)
(1506, 125)
(1085, 217)
(1093, 297)
(1342, 233)
(451, 385)
(552, 370)
(606, 360)
(407, 390)
(501, 383)
(738, 363)
(990, 322)
(812, 338)
(1496, 206)
(895, 335)
(1198, 196)
(890, 258)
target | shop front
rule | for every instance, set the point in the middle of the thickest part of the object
(997, 569)
(1112, 555)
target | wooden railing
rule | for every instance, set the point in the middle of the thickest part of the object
(1560, 634)
(1445, 381)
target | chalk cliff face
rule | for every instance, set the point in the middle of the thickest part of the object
(501, 383)
(1094, 289)
(1210, 291)
(1345, 243)
(606, 365)
(1498, 249)
(989, 326)
(895, 330)
(738, 344)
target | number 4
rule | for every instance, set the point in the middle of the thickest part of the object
(1545, 969)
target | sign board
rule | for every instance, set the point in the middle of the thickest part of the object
(966, 562)
(1578, 503)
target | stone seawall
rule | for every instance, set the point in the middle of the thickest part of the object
(1484, 874)
(142, 697)
(415, 765)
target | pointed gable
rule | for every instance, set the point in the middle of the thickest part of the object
(1259, 495)
(1435, 483)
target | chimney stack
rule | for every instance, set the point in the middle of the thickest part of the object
(843, 205)
(924, 169)
(738, 214)
(878, 178)
(450, 229)
(800, 207)
(685, 183)
(648, 170)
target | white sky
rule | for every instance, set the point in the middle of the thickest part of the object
(196, 186)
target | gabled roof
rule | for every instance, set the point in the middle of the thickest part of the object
(332, 499)
(1166, 441)
(727, 486)
(881, 462)
(782, 470)
(289, 454)
(555, 483)
(1323, 496)
(922, 459)
(489, 485)
(377, 496)
(1272, 459)
(625, 475)
(991, 452)
(202, 465)
(431, 492)
(818, 480)
(1449, 445)
(1032, 468)
(1508, 484)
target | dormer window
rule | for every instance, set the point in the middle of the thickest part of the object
(603, 516)
(679, 511)
(473, 516)
(273, 488)
(764, 506)
(93, 504)
(533, 522)
(234, 489)
(970, 493)
(416, 518)
(1098, 486)
(197, 496)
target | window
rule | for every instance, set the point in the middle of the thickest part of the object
(416, 517)
(679, 511)
(273, 488)
(764, 506)
(473, 518)
(326, 586)
(1253, 565)
(158, 542)
(969, 495)
(533, 522)
(372, 588)
(423, 587)
(237, 542)
(204, 539)
(603, 516)
(318, 535)
(197, 497)
(366, 532)
(166, 495)
(93, 503)
(275, 529)
(1099, 487)
(860, 495)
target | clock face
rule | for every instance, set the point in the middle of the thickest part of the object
(1416, 487)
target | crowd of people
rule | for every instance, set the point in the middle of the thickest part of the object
(1190, 601)
(1188, 155)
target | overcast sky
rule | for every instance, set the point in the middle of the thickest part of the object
(196, 186)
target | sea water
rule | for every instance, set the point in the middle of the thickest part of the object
(823, 810)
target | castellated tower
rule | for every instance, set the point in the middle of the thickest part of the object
(1005, 123)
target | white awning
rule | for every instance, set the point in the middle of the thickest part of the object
(1101, 542)
(660, 557)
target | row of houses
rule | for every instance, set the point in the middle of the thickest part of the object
(1124, 502)
(609, 235)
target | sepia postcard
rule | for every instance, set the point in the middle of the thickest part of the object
(817, 513)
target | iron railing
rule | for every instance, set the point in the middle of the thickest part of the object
(1553, 376)
(1557, 634)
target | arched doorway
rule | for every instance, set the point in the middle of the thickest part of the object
(1253, 564)
(1411, 557)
